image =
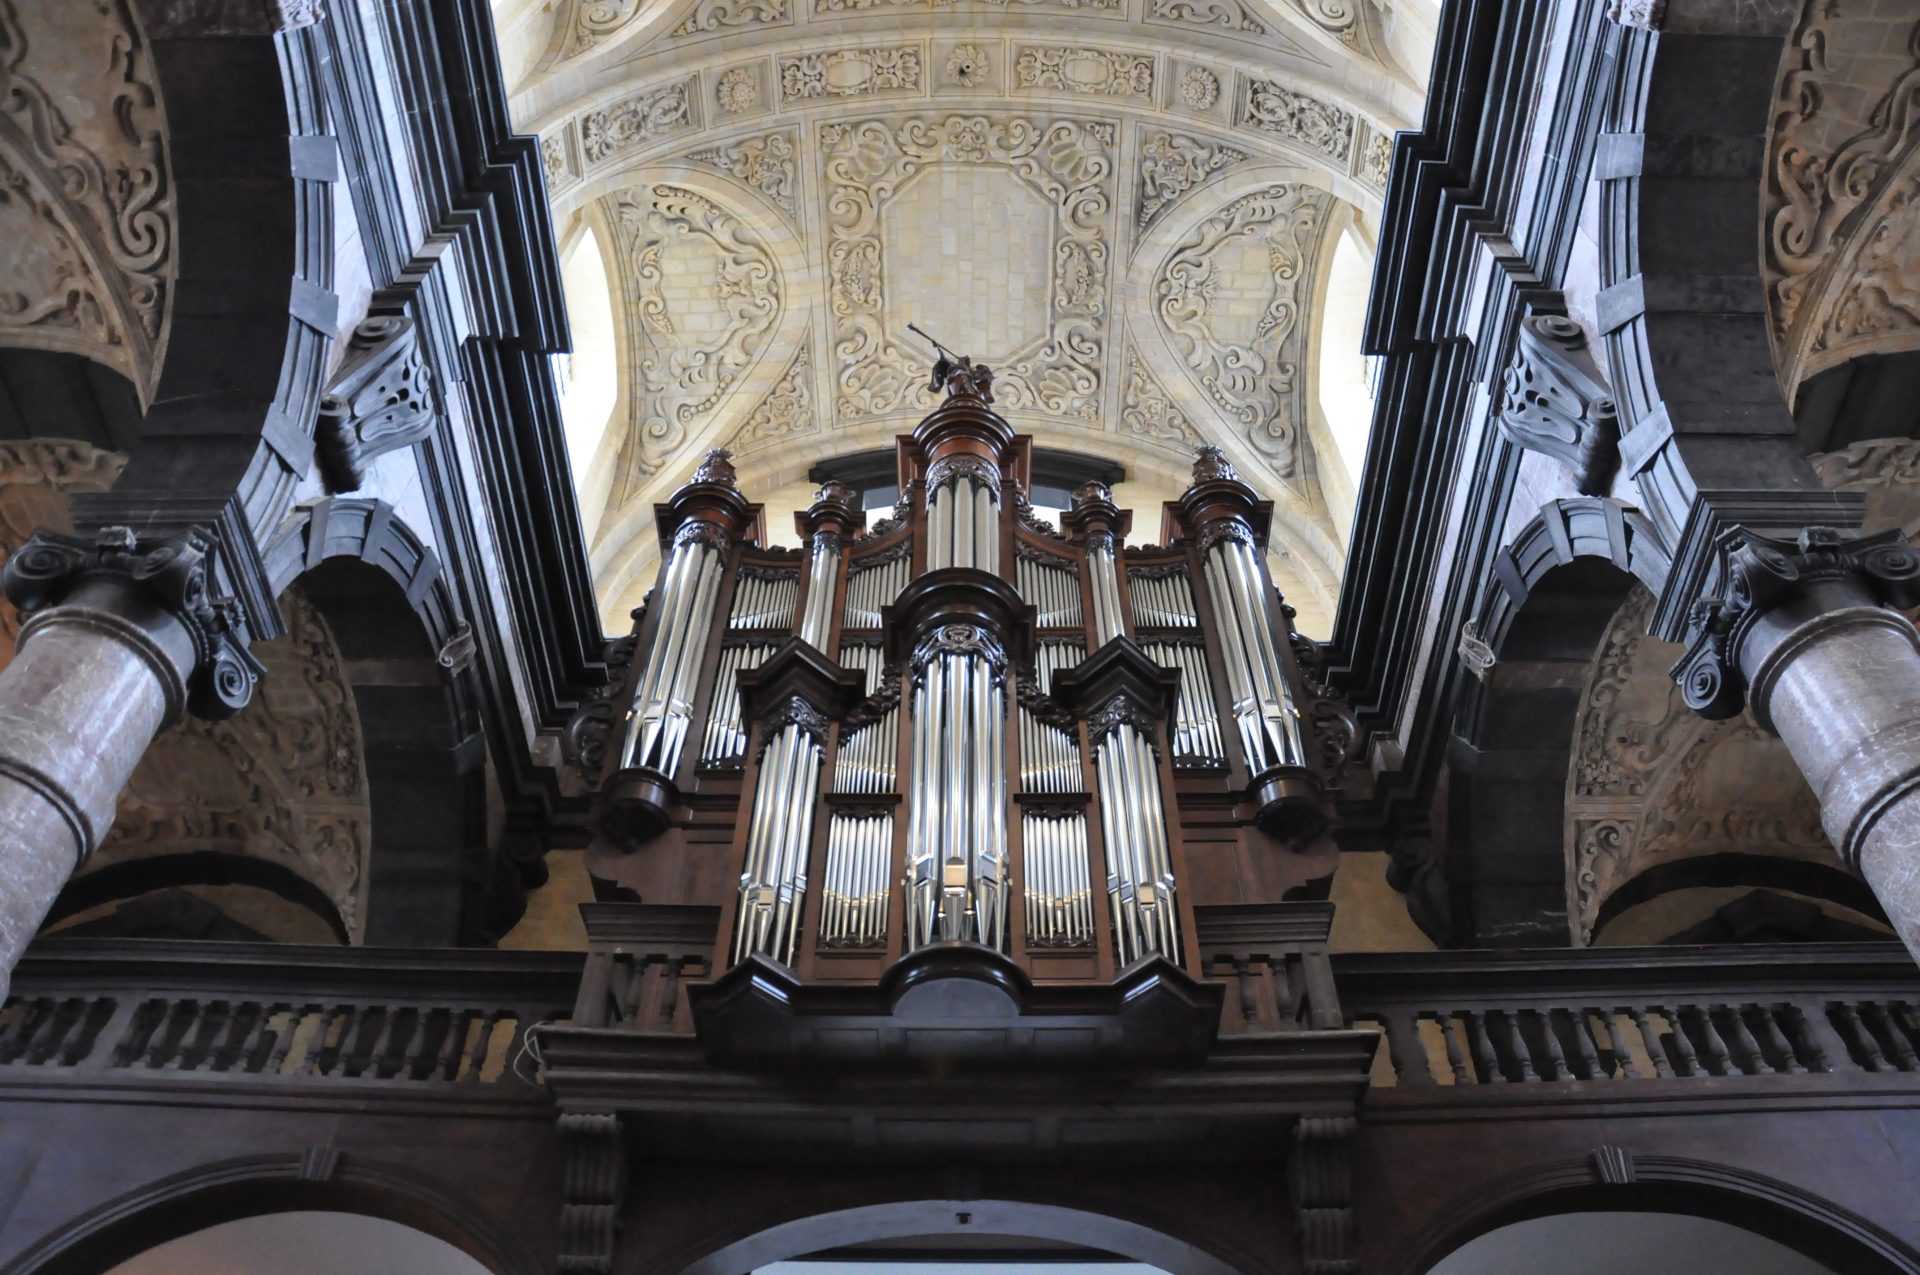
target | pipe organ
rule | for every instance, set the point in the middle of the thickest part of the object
(961, 726)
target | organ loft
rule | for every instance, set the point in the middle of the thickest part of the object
(1368, 725)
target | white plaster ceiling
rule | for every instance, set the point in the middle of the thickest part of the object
(1127, 207)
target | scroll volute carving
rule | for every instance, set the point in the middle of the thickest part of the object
(1557, 402)
(381, 399)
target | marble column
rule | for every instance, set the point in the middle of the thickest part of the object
(1811, 635)
(119, 640)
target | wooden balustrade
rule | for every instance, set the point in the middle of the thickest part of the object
(1273, 959)
(1624, 1014)
(639, 959)
(276, 1013)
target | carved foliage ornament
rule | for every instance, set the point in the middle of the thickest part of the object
(1299, 118)
(1069, 164)
(86, 199)
(1759, 574)
(849, 73)
(767, 164)
(794, 711)
(949, 469)
(1147, 412)
(593, 22)
(589, 731)
(787, 410)
(175, 574)
(1077, 70)
(1171, 165)
(634, 121)
(715, 15)
(1123, 710)
(382, 398)
(1556, 402)
(1248, 364)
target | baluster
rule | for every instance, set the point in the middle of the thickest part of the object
(1807, 1038)
(1584, 1052)
(220, 1056)
(478, 1058)
(1778, 1039)
(53, 1025)
(1286, 998)
(284, 1037)
(1744, 1041)
(1484, 1054)
(669, 994)
(133, 1043)
(1404, 1050)
(1456, 1060)
(1682, 1043)
(1859, 1037)
(1516, 1044)
(1557, 1068)
(163, 1048)
(251, 1056)
(1719, 1061)
(456, 1039)
(1650, 1039)
(13, 1039)
(376, 1057)
(85, 1043)
(350, 1032)
(1624, 1065)
(1902, 1047)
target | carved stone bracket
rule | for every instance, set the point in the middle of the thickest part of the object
(594, 1186)
(380, 400)
(1320, 1187)
(1557, 402)
(1772, 589)
(165, 582)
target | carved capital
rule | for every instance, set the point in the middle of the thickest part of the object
(380, 400)
(701, 532)
(1224, 529)
(174, 576)
(1556, 402)
(1731, 635)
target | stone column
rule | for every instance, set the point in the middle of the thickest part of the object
(119, 640)
(1809, 634)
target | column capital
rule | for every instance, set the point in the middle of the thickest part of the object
(1219, 503)
(151, 593)
(834, 513)
(1776, 595)
(1094, 515)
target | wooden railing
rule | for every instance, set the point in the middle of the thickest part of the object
(1624, 1014)
(275, 1013)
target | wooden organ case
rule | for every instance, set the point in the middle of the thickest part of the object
(959, 790)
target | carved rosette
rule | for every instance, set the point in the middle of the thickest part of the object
(1762, 576)
(173, 575)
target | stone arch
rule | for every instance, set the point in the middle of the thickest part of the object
(407, 651)
(770, 1240)
(1759, 872)
(318, 1179)
(1554, 590)
(1612, 1179)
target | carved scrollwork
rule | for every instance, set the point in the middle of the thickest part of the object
(960, 639)
(1300, 118)
(787, 410)
(589, 732)
(1172, 165)
(1043, 707)
(1223, 529)
(1122, 710)
(794, 711)
(698, 531)
(175, 573)
(951, 468)
(1556, 402)
(1023, 510)
(1032, 553)
(634, 121)
(885, 698)
(382, 398)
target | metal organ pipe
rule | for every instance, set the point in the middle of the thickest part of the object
(726, 732)
(780, 829)
(1140, 885)
(663, 697)
(1196, 731)
(1262, 706)
(1105, 580)
(1053, 589)
(1162, 599)
(823, 574)
(963, 516)
(871, 586)
(957, 842)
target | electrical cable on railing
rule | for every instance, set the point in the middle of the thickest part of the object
(530, 1046)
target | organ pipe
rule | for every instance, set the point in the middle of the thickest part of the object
(773, 885)
(1262, 705)
(663, 697)
(1133, 821)
(957, 841)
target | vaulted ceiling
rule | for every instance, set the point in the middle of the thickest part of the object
(1128, 207)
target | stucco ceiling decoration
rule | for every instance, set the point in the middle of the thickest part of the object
(1124, 206)
(86, 202)
(1843, 191)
